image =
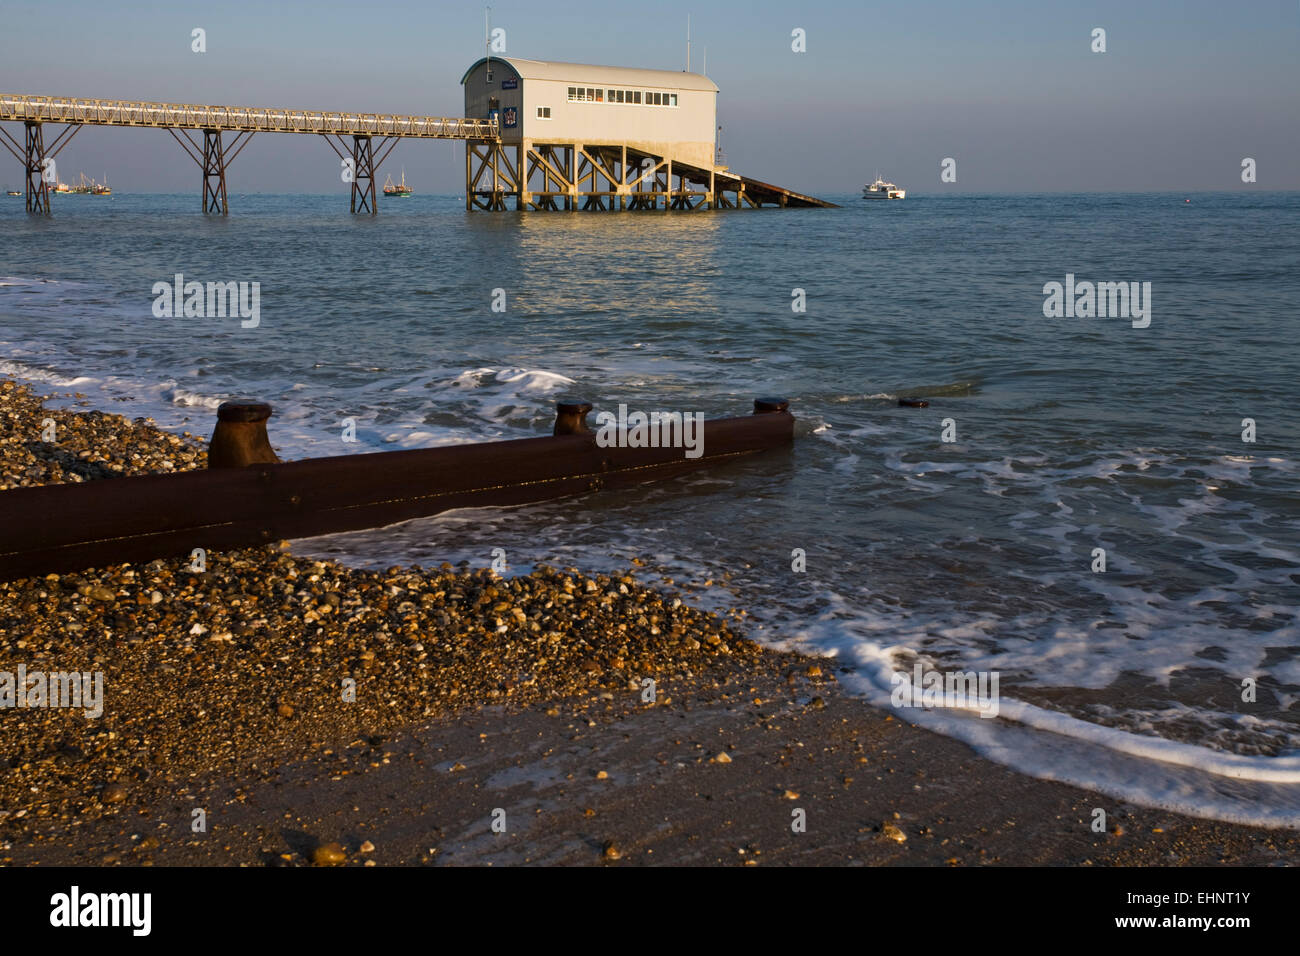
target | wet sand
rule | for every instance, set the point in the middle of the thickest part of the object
(706, 777)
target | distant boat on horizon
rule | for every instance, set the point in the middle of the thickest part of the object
(399, 189)
(882, 190)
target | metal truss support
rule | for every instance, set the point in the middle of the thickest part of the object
(363, 176)
(361, 166)
(214, 174)
(38, 161)
(214, 158)
(37, 189)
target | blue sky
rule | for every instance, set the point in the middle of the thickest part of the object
(1011, 90)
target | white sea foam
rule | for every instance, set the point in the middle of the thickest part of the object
(188, 399)
(35, 373)
(1145, 769)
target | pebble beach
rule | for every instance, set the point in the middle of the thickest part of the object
(263, 652)
(324, 715)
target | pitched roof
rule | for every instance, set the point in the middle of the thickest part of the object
(605, 75)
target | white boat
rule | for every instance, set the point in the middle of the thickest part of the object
(882, 190)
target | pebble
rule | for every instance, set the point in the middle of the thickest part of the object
(329, 854)
(723, 757)
(113, 793)
(891, 832)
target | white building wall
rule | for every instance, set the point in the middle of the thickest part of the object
(685, 132)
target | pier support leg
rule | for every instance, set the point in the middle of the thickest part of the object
(363, 182)
(213, 159)
(38, 190)
(570, 166)
(214, 173)
(481, 158)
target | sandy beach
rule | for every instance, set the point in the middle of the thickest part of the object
(314, 714)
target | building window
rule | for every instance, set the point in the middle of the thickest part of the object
(590, 94)
(543, 112)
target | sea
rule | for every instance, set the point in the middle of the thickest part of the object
(1100, 510)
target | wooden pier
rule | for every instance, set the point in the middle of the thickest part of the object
(215, 155)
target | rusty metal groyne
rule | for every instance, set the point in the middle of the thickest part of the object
(248, 497)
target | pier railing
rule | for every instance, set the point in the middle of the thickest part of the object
(53, 109)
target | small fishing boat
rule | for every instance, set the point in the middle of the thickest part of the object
(100, 189)
(13, 192)
(882, 190)
(397, 189)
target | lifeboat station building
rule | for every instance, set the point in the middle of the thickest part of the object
(576, 136)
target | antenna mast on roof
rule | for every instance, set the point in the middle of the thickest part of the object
(487, 38)
(688, 43)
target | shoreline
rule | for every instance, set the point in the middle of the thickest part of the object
(225, 686)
